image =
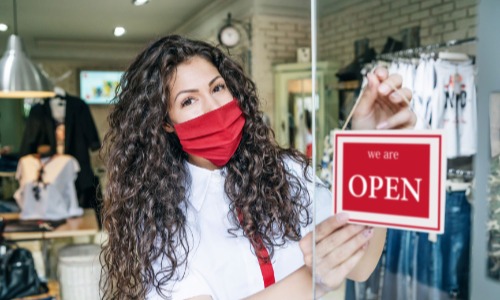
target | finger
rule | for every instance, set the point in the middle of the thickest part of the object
(346, 250)
(393, 82)
(401, 96)
(369, 95)
(381, 73)
(405, 118)
(333, 278)
(336, 239)
(323, 230)
(384, 104)
(330, 225)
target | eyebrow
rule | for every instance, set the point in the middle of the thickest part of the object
(195, 90)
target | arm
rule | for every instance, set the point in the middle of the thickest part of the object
(297, 285)
(369, 261)
(340, 247)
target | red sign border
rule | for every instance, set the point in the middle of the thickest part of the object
(382, 135)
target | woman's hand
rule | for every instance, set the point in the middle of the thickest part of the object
(381, 106)
(339, 248)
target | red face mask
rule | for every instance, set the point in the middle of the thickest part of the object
(215, 135)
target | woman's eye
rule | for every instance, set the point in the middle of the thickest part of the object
(186, 102)
(219, 88)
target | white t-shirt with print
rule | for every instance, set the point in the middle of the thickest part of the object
(57, 193)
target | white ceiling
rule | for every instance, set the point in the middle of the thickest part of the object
(83, 29)
(43, 22)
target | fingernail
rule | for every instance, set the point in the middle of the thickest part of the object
(368, 232)
(380, 71)
(384, 89)
(342, 217)
(394, 97)
(382, 125)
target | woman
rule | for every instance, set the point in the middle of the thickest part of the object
(202, 204)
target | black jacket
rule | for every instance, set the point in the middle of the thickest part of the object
(81, 135)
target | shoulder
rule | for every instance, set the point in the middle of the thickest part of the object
(297, 168)
(318, 191)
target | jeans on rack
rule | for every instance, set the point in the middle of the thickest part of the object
(455, 245)
(417, 268)
(400, 265)
(369, 289)
(413, 267)
(430, 269)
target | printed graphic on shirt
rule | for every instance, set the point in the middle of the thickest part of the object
(454, 107)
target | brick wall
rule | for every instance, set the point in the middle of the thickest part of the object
(275, 41)
(439, 21)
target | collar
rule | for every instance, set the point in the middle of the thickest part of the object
(201, 180)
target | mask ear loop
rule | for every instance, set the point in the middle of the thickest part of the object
(406, 100)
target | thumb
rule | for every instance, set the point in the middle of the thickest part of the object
(369, 95)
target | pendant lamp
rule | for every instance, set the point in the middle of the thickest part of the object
(19, 77)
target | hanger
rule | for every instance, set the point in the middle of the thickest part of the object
(60, 93)
(60, 97)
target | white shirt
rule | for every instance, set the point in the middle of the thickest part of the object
(454, 107)
(57, 195)
(219, 264)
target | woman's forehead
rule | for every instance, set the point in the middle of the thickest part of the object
(194, 71)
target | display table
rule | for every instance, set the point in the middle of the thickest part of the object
(86, 225)
(81, 226)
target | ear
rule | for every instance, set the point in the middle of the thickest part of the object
(168, 128)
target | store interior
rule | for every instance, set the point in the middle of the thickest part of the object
(73, 45)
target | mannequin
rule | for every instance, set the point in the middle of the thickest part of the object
(46, 185)
(66, 124)
(44, 151)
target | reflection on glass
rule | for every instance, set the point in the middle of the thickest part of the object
(357, 35)
(300, 108)
(494, 191)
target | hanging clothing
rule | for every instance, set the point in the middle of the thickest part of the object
(416, 265)
(423, 89)
(47, 187)
(80, 136)
(454, 107)
(494, 219)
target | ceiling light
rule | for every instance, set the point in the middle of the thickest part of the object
(139, 2)
(19, 77)
(3, 27)
(119, 31)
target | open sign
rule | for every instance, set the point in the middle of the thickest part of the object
(391, 178)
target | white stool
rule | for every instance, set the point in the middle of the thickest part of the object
(79, 271)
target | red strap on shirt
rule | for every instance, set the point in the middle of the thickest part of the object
(266, 267)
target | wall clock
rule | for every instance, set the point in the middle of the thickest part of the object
(229, 36)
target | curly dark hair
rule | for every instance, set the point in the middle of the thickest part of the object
(146, 194)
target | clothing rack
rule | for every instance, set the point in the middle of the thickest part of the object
(413, 52)
(465, 175)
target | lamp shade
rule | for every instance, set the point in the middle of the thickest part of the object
(19, 77)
